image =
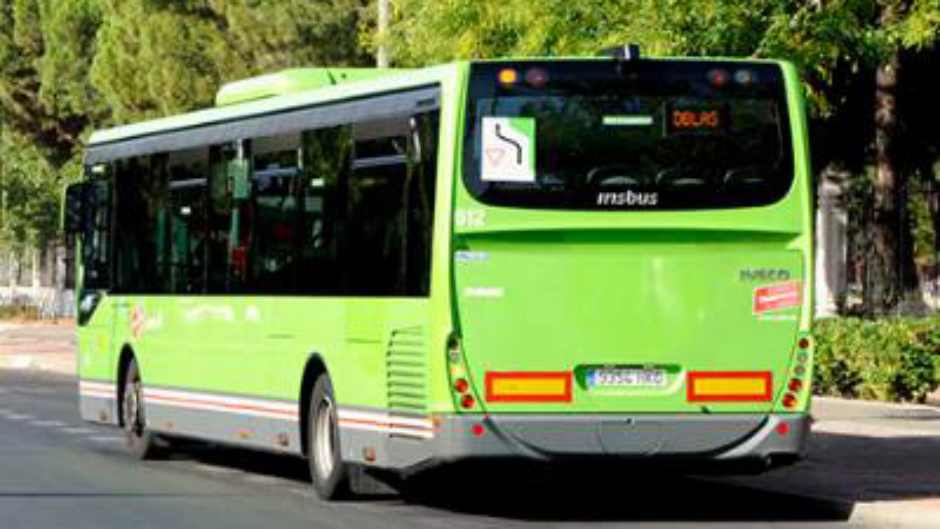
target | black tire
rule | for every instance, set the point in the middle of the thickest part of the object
(329, 474)
(141, 443)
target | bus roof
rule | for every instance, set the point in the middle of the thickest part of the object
(288, 90)
(291, 82)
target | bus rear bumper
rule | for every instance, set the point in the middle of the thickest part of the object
(679, 439)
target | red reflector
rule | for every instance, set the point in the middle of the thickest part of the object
(789, 400)
(461, 385)
(478, 430)
(795, 385)
(528, 386)
(732, 386)
(803, 343)
(783, 429)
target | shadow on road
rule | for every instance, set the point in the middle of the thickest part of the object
(597, 493)
(615, 493)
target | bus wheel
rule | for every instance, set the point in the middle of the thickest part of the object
(140, 442)
(327, 470)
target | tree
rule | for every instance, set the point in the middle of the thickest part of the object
(70, 66)
(158, 57)
(46, 105)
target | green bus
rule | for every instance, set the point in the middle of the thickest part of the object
(597, 258)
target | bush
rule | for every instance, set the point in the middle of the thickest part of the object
(888, 359)
(19, 312)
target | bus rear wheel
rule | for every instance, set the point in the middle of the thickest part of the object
(140, 442)
(327, 471)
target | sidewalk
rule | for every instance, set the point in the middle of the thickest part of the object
(46, 347)
(882, 459)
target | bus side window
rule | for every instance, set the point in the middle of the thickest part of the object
(140, 198)
(274, 198)
(391, 206)
(423, 164)
(324, 172)
(229, 218)
(96, 236)
(187, 221)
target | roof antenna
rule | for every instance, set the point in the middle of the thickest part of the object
(627, 52)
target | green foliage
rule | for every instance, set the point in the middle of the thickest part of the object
(890, 359)
(19, 312)
(70, 66)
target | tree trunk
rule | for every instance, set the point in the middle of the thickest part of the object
(890, 266)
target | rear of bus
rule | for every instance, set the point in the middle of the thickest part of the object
(632, 248)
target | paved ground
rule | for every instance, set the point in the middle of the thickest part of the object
(870, 465)
(46, 347)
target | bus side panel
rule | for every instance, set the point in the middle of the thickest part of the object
(95, 360)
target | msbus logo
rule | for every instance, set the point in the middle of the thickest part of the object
(627, 198)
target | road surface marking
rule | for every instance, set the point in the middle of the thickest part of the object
(78, 430)
(216, 469)
(106, 439)
(48, 424)
(19, 417)
(263, 480)
(33, 391)
(301, 492)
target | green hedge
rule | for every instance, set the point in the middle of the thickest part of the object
(893, 359)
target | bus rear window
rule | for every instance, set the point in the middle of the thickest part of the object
(627, 135)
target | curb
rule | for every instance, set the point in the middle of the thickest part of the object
(905, 513)
(877, 403)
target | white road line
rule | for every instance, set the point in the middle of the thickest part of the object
(301, 492)
(215, 469)
(19, 417)
(79, 430)
(263, 480)
(48, 424)
(106, 439)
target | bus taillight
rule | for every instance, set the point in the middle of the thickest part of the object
(467, 401)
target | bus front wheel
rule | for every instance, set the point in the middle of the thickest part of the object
(141, 443)
(327, 470)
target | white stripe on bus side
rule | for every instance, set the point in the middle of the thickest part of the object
(213, 402)
(384, 422)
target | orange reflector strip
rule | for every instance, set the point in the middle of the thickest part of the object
(528, 386)
(736, 386)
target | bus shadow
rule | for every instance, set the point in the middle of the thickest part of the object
(616, 493)
(539, 493)
(272, 465)
(840, 471)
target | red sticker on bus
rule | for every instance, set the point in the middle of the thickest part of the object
(778, 296)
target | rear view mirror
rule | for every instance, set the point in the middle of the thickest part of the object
(75, 197)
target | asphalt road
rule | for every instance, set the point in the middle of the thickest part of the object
(56, 471)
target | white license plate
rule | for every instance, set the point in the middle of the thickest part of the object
(626, 378)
